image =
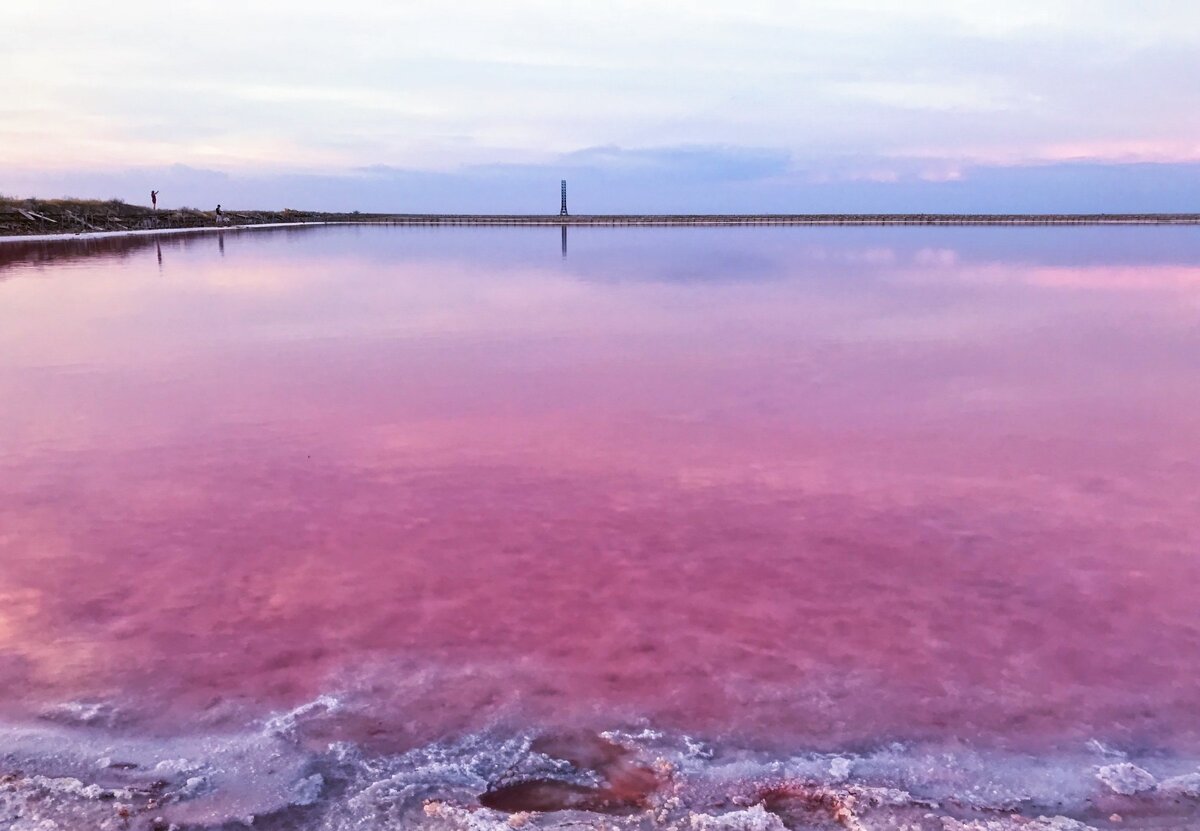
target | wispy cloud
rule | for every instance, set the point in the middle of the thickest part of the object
(683, 179)
(868, 91)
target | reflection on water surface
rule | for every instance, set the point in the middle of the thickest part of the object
(787, 489)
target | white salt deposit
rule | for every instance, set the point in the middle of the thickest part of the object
(1125, 778)
(278, 775)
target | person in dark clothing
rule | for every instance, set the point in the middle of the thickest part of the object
(154, 199)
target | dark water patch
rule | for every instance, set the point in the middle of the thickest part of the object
(626, 783)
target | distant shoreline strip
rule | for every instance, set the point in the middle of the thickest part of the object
(673, 220)
(654, 221)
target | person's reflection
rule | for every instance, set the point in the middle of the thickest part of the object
(158, 250)
(221, 243)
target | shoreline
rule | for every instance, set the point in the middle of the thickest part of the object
(150, 232)
(652, 221)
(74, 769)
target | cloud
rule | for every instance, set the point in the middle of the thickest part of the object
(314, 87)
(722, 163)
(689, 178)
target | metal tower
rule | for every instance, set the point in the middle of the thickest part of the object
(563, 210)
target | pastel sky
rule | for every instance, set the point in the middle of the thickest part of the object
(704, 105)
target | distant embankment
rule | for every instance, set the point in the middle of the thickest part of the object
(76, 216)
(657, 220)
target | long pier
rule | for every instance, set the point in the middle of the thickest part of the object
(672, 220)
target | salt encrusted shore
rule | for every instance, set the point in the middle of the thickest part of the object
(152, 232)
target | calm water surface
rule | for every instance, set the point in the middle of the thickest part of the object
(766, 494)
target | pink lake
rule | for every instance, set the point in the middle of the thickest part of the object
(716, 496)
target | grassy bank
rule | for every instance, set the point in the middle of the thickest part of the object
(19, 217)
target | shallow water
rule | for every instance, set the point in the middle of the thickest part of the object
(334, 521)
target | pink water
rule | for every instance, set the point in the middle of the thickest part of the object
(791, 490)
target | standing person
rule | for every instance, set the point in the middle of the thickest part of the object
(219, 216)
(154, 200)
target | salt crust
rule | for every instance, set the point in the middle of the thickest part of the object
(72, 772)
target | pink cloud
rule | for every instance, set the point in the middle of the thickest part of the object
(1162, 151)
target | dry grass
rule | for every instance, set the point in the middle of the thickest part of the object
(51, 216)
